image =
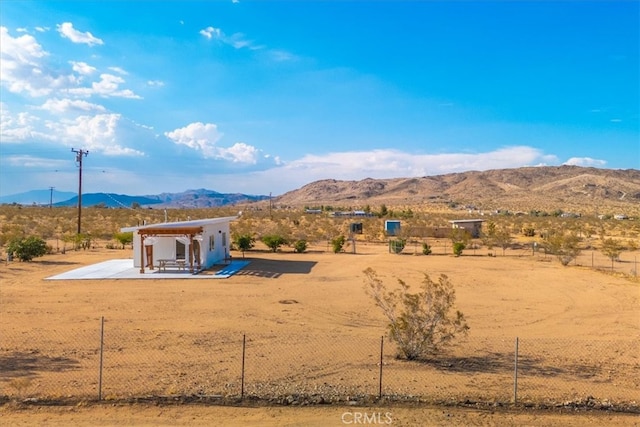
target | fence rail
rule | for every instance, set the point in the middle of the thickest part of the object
(114, 363)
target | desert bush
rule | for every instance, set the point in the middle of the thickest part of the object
(273, 241)
(397, 245)
(337, 243)
(565, 246)
(300, 246)
(27, 248)
(422, 323)
(458, 247)
(426, 249)
(529, 231)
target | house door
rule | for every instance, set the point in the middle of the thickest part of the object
(196, 253)
(181, 250)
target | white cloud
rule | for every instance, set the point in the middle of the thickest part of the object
(21, 68)
(82, 68)
(108, 86)
(28, 161)
(585, 161)
(211, 32)
(237, 40)
(204, 137)
(96, 133)
(42, 29)
(19, 128)
(198, 136)
(66, 30)
(155, 83)
(279, 55)
(119, 70)
(59, 106)
(240, 153)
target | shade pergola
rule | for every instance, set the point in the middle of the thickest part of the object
(157, 231)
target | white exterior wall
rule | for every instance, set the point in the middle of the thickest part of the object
(221, 245)
(214, 246)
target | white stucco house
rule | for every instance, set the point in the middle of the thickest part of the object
(194, 245)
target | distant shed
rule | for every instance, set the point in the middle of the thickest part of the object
(392, 227)
(473, 226)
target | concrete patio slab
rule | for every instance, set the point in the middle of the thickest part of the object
(123, 269)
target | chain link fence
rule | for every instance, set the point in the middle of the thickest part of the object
(120, 362)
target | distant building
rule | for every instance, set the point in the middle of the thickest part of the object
(392, 227)
(620, 216)
(473, 226)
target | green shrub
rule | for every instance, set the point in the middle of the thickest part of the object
(338, 244)
(458, 247)
(426, 249)
(397, 246)
(273, 241)
(300, 246)
(26, 249)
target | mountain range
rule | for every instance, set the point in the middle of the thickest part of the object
(200, 198)
(521, 189)
(548, 188)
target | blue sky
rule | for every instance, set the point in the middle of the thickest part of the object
(264, 97)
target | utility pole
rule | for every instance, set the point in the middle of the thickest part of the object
(79, 154)
(51, 197)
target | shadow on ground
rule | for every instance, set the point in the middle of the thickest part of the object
(275, 268)
(28, 364)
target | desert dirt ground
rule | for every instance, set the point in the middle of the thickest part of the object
(573, 323)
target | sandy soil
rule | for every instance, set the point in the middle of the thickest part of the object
(574, 325)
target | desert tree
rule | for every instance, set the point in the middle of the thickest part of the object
(422, 323)
(612, 249)
(124, 238)
(565, 246)
(502, 238)
(243, 242)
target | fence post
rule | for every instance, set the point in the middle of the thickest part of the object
(244, 344)
(515, 375)
(101, 353)
(381, 353)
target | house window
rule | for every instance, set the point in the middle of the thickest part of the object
(224, 240)
(212, 243)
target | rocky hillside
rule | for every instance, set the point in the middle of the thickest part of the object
(544, 188)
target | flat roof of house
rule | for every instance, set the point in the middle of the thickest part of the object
(181, 224)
